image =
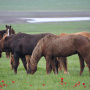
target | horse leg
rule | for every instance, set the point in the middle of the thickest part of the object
(81, 64)
(12, 62)
(87, 60)
(16, 61)
(59, 64)
(8, 55)
(63, 63)
(48, 65)
(24, 62)
(28, 63)
(0, 54)
(54, 65)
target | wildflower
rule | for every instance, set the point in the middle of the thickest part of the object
(2, 81)
(78, 84)
(83, 83)
(43, 84)
(61, 78)
(3, 84)
(86, 65)
(61, 83)
(84, 86)
(13, 81)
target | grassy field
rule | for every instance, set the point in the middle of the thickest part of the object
(55, 28)
(35, 5)
(41, 81)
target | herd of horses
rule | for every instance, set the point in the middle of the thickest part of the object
(55, 49)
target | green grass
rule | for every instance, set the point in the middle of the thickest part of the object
(52, 82)
(34, 5)
(55, 28)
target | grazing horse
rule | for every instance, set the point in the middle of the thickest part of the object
(53, 46)
(8, 31)
(20, 45)
(62, 62)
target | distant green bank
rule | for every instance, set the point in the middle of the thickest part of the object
(36, 5)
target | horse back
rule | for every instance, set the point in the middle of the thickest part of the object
(2, 32)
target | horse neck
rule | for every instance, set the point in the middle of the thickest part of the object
(35, 57)
(10, 32)
(36, 54)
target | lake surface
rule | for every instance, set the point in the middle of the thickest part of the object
(68, 19)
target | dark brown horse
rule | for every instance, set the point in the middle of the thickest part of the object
(2, 32)
(8, 31)
(53, 46)
(62, 62)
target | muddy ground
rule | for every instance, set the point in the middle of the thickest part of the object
(14, 17)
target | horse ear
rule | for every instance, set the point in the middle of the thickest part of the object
(6, 26)
(10, 26)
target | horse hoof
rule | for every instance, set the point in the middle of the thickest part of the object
(66, 72)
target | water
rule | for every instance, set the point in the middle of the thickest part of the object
(68, 19)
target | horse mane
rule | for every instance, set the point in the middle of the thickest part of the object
(37, 53)
(38, 50)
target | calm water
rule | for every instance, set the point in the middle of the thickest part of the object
(68, 19)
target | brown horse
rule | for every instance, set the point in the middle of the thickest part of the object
(85, 34)
(8, 31)
(62, 62)
(53, 46)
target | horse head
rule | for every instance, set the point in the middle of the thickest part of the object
(8, 30)
(31, 66)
